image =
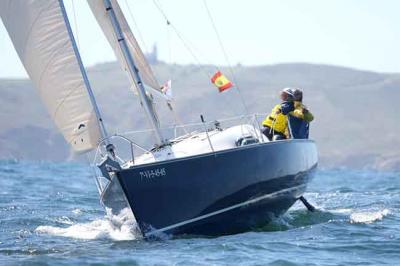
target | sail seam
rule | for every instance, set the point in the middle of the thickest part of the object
(52, 59)
(28, 37)
(64, 99)
(50, 62)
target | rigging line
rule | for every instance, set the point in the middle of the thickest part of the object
(136, 26)
(94, 174)
(177, 119)
(144, 43)
(170, 104)
(188, 48)
(186, 44)
(225, 54)
(76, 24)
(169, 40)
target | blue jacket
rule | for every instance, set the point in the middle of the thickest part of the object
(300, 128)
(287, 107)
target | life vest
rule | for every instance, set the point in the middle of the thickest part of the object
(278, 122)
(298, 112)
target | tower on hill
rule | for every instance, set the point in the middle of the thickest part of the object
(152, 57)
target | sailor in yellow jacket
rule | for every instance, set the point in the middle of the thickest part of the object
(299, 119)
(276, 123)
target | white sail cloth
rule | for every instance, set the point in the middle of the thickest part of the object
(39, 32)
(99, 11)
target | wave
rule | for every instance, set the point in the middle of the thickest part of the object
(299, 216)
(124, 227)
(116, 227)
(368, 217)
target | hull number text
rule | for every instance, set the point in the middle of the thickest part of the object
(153, 173)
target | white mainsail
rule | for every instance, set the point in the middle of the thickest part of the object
(99, 11)
(42, 38)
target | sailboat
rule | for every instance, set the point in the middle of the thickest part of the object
(215, 181)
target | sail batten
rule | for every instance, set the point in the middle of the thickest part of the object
(43, 40)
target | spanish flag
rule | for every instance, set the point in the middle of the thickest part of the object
(221, 81)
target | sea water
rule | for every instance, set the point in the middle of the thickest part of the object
(50, 214)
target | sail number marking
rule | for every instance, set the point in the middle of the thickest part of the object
(153, 173)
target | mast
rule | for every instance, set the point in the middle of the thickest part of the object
(134, 72)
(103, 131)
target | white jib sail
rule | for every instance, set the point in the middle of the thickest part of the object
(99, 11)
(40, 36)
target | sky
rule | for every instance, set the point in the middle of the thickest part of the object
(362, 34)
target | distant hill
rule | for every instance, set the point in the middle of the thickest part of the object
(356, 112)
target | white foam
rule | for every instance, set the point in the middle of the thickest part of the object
(368, 217)
(77, 211)
(342, 211)
(116, 227)
(64, 220)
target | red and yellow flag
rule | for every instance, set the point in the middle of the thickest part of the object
(221, 81)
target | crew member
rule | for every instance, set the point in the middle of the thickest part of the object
(275, 124)
(300, 118)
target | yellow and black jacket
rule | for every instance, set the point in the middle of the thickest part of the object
(277, 119)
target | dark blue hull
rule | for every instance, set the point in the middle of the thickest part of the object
(219, 193)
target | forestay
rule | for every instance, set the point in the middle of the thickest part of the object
(40, 34)
(99, 11)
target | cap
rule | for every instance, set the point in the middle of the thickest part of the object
(298, 94)
(289, 91)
